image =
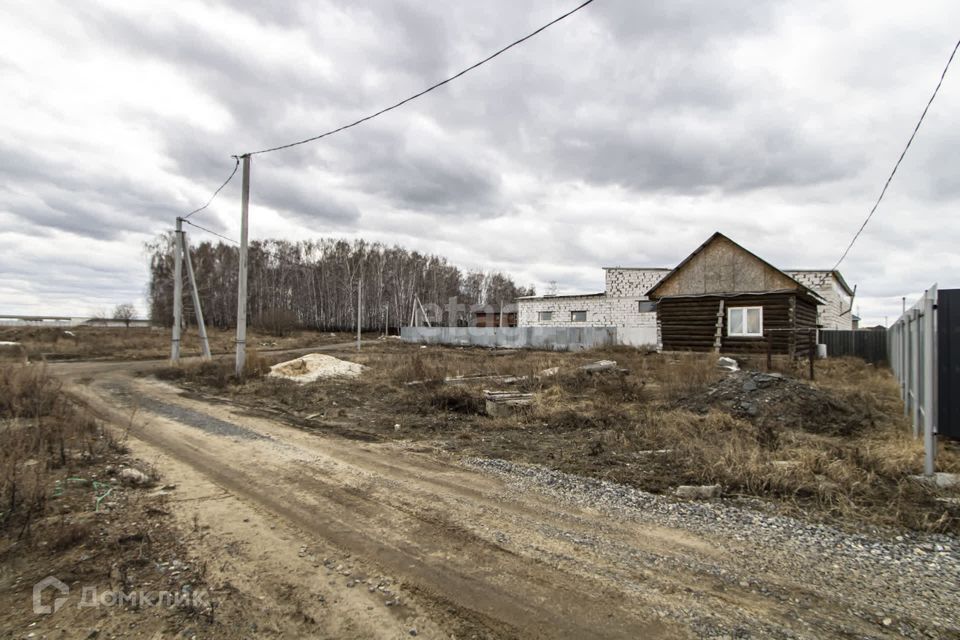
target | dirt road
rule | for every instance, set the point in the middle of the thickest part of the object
(344, 538)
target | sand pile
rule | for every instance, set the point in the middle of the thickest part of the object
(315, 366)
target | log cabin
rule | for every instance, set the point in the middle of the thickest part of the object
(724, 298)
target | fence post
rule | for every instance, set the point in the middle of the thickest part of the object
(929, 379)
(916, 362)
(810, 351)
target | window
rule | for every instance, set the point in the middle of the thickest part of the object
(544, 316)
(745, 322)
(646, 306)
(578, 316)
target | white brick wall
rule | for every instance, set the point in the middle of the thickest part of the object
(627, 282)
(618, 307)
(838, 300)
(597, 309)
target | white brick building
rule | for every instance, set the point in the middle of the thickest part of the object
(623, 305)
(837, 313)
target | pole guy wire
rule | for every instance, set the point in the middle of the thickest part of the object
(430, 88)
(193, 224)
(900, 159)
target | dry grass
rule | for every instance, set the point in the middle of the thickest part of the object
(45, 438)
(215, 374)
(138, 343)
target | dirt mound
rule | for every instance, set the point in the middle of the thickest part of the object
(314, 366)
(775, 400)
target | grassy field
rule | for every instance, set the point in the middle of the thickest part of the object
(837, 448)
(68, 510)
(136, 343)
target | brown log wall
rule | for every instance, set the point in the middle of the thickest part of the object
(689, 323)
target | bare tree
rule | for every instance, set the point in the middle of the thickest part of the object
(313, 283)
(125, 312)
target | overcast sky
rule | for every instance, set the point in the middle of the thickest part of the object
(624, 135)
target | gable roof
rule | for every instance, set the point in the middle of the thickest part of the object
(719, 236)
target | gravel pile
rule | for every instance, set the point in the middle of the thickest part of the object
(887, 575)
(776, 400)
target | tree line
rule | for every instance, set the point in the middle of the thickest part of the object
(313, 284)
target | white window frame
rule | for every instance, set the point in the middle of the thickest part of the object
(745, 333)
(583, 311)
(540, 317)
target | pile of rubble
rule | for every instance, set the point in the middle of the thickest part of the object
(775, 400)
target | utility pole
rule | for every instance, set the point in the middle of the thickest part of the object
(359, 302)
(242, 280)
(201, 328)
(425, 318)
(386, 322)
(177, 294)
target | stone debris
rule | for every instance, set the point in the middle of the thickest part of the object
(315, 366)
(599, 365)
(940, 480)
(692, 492)
(727, 363)
(129, 475)
(504, 403)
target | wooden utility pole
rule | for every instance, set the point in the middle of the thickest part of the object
(242, 278)
(201, 327)
(359, 303)
(177, 294)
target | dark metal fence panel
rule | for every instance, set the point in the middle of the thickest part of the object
(866, 343)
(948, 362)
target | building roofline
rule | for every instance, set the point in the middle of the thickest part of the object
(732, 294)
(564, 295)
(638, 268)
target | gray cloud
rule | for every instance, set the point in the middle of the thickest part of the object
(624, 135)
(302, 200)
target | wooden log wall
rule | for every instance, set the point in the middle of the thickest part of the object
(690, 323)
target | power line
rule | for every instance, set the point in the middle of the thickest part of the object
(229, 178)
(428, 89)
(900, 159)
(193, 224)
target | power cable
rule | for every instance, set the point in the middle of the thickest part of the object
(428, 89)
(193, 224)
(225, 182)
(900, 159)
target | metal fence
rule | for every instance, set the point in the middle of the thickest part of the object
(912, 346)
(556, 338)
(869, 344)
